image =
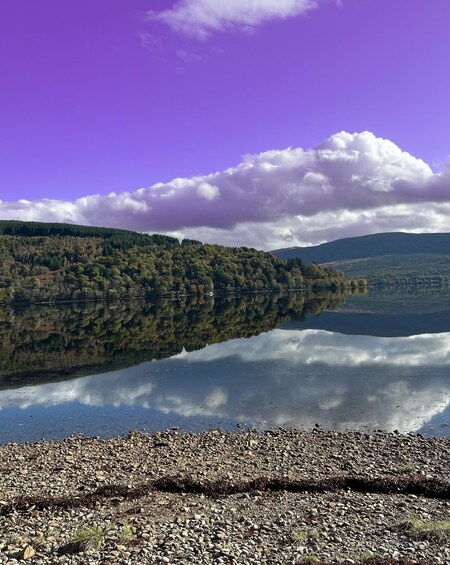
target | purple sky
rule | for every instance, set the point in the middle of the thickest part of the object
(101, 96)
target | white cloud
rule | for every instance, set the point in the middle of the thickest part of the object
(201, 17)
(352, 184)
(329, 226)
(208, 191)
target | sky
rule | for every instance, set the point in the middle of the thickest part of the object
(266, 123)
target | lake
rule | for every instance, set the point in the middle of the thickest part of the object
(380, 361)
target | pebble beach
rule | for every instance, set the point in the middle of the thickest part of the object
(277, 497)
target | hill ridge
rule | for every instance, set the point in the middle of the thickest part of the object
(371, 245)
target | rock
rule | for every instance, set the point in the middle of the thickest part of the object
(26, 553)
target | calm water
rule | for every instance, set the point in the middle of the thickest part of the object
(375, 362)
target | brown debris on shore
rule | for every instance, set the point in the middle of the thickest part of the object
(276, 497)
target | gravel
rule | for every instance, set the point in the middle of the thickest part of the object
(55, 506)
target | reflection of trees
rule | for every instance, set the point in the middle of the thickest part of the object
(51, 342)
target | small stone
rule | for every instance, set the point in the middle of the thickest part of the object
(26, 553)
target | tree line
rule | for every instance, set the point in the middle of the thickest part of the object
(58, 262)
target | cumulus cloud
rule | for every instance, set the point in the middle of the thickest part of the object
(208, 191)
(201, 17)
(328, 226)
(351, 184)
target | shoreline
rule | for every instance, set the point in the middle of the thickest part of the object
(311, 291)
(277, 497)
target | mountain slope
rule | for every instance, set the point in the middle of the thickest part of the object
(385, 258)
(376, 245)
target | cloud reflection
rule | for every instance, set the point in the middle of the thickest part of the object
(319, 346)
(288, 378)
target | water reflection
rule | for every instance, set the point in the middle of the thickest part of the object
(55, 342)
(280, 378)
(295, 377)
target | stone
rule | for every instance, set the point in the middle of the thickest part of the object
(26, 553)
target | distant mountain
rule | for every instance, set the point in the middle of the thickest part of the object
(376, 245)
(384, 258)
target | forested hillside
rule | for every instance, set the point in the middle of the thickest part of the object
(54, 262)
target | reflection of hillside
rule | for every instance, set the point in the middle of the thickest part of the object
(292, 379)
(387, 313)
(56, 342)
(383, 325)
(417, 300)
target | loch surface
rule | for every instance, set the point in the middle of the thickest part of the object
(380, 361)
